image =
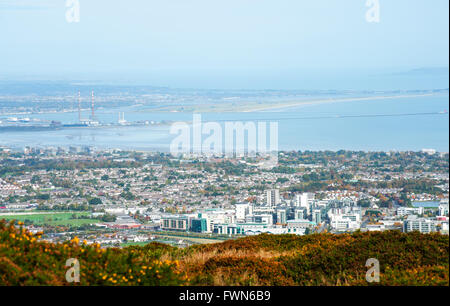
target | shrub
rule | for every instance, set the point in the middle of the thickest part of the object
(275, 260)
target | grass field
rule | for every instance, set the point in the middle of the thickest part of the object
(125, 244)
(52, 218)
(172, 240)
(191, 239)
(144, 243)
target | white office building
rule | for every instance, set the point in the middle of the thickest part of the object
(300, 213)
(260, 219)
(281, 216)
(345, 222)
(305, 200)
(242, 211)
(443, 209)
(405, 211)
(420, 224)
(299, 227)
(273, 197)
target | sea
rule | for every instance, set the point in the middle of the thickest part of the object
(426, 204)
(412, 124)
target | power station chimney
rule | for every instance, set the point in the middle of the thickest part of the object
(92, 106)
(79, 106)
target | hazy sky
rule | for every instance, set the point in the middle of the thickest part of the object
(206, 42)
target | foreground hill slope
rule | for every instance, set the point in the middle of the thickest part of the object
(319, 259)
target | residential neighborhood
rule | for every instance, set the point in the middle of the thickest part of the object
(117, 198)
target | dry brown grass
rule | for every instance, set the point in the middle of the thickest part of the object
(200, 258)
(193, 264)
(223, 278)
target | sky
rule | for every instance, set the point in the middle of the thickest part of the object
(224, 43)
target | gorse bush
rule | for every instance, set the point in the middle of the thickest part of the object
(26, 261)
(273, 260)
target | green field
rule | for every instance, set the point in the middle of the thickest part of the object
(125, 244)
(144, 243)
(194, 240)
(52, 218)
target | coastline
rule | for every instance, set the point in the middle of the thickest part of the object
(326, 101)
(248, 107)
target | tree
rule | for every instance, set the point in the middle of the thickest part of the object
(364, 202)
(108, 218)
(127, 195)
(35, 179)
(44, 196)
(95, 201)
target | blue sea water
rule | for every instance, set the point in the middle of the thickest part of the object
(426, 204)
(309, 127)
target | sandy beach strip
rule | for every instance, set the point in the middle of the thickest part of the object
(331, 100)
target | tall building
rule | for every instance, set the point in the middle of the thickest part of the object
(300, 213)
(304, 200)
(317, 216)
(199, 225)
(273, 197)
(281, 216)
(242, 211)
(443, 209)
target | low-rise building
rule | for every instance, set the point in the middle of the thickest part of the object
(420, 224)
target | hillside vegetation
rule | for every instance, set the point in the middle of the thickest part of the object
(319, 259)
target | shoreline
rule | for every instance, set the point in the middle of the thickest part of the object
(323, 101)
(249, 107)
(245, 107)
